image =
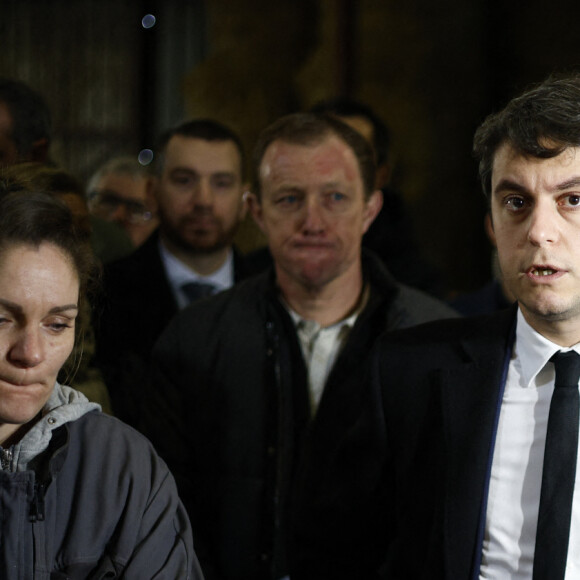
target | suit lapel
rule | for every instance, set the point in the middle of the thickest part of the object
(469, 402)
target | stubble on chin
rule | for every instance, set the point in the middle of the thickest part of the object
(551, 308)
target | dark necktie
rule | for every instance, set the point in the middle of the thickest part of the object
(559, 472)
(196, 290)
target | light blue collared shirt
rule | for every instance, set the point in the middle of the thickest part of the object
(179, 274)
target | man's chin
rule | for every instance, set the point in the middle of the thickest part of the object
(552, 310)
(317, 275)
(201, 244)
(202, 248)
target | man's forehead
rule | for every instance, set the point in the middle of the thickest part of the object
(123, 182)
(223, 154)
(324, 156)
(508, 155)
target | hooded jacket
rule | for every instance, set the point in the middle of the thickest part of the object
(84, 496)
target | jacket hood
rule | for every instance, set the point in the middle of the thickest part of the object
(64, 405)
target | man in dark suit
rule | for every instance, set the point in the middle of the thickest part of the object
(481, 414)
(259, 389)
(198, 195)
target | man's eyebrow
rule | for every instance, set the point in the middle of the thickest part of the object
(571, 183)
(181, 169)
(509, 185)
(224, 174)
(288, 188)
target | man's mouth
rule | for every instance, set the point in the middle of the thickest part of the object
(543, 271)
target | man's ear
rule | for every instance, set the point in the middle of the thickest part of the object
(244, 202)
(372, 208)
(255, 208)
(488, 224)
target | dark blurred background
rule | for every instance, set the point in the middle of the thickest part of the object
(114, 77)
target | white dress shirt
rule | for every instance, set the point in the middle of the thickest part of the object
(179, 274)
(321, 345)
(516, 473)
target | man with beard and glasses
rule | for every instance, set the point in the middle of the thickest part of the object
(198, 197)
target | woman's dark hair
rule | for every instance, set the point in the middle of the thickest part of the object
(33, 218)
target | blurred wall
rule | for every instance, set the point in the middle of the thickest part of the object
(433, 70)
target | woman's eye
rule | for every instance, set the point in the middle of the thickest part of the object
(59, 326)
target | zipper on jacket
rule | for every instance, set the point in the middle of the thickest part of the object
(37, 506)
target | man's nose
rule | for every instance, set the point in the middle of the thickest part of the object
(313, 217)
(203, 194)
(120, 214)
(544, 225)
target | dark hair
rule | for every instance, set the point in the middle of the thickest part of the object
(343, 107)
(542, 122)
(205, 129)
(29, 217)
(310, 129)
(36, 176)
(30, 114)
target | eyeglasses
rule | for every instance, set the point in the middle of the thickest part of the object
(105, 204)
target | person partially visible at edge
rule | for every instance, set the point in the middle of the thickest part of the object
(82, 495)
(25, 124)
(260, 397)
(469, 404)
(26, 137)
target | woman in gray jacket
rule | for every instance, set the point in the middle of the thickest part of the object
(81, 494)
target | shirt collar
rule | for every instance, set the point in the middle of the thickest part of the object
(314, 326)
(178, 273)
(534, 350)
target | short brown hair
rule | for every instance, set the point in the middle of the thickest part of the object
(310, 129)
